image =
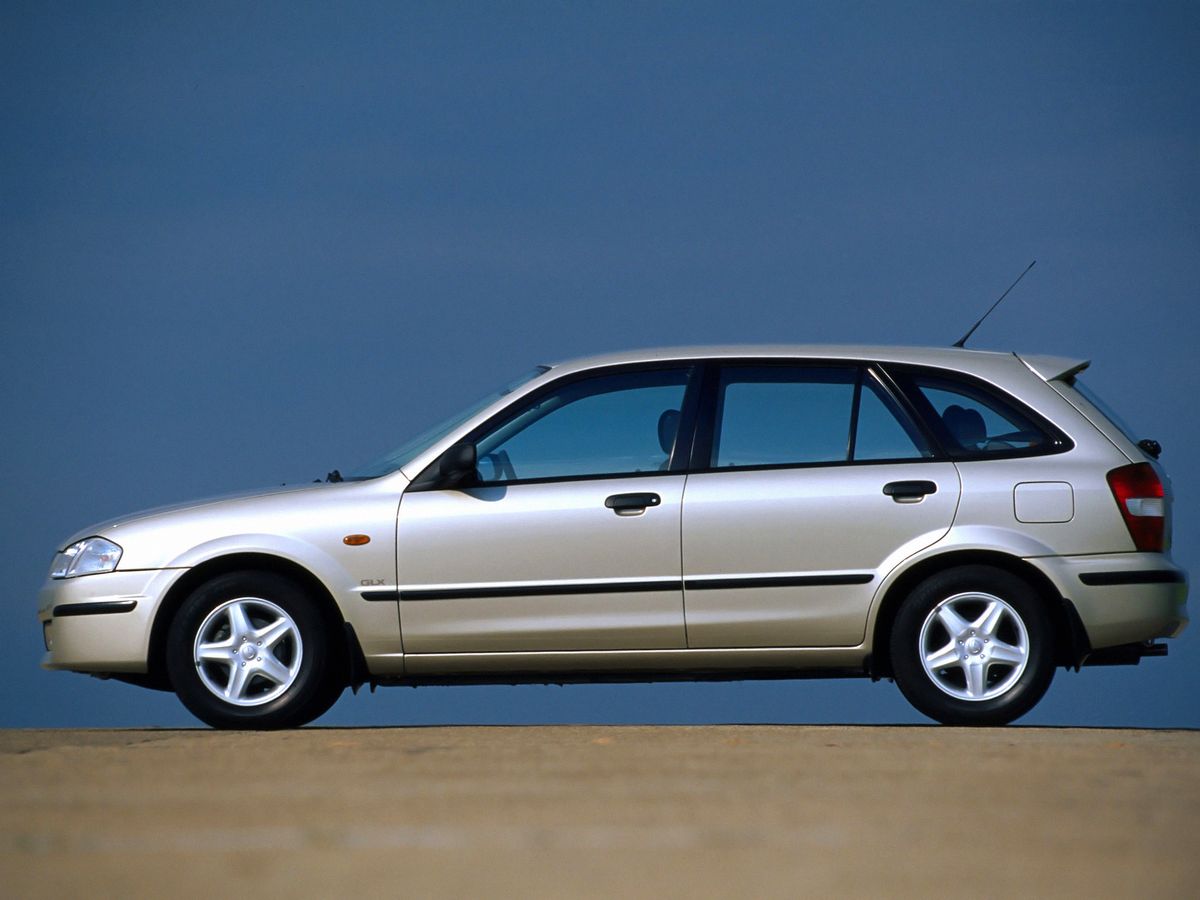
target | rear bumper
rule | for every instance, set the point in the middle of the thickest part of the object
(1121, 598)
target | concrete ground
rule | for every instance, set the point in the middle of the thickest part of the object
(601, 811)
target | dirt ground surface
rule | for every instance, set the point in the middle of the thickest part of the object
(601, 811)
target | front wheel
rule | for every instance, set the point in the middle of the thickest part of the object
(250, 650)
(973, 646)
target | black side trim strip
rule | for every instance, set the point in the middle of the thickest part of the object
(714, 584)
(1150, 576)
(380, 595)
(94, 609)
(541, 590)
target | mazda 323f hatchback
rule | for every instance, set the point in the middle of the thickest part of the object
(962, 522)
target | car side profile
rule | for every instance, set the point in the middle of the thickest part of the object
(961, 522)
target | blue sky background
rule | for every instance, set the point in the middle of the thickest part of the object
(243, 244)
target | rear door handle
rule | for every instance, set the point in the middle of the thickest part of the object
(631, 504)
(909, 491)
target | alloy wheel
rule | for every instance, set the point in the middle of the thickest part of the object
(974, 646)
(248, 651)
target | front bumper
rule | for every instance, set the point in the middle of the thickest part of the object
(101, 623)
(1121, 598)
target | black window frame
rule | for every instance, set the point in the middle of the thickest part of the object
(903, 376)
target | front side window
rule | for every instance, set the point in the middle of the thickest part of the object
(798, 415)
(615, 424)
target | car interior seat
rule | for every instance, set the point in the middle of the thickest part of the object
(966, 426)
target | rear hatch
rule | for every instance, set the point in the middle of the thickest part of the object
(1142, 490)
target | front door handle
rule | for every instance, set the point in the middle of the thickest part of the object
(909, 491)
(631, 504)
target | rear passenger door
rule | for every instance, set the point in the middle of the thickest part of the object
(809, 484)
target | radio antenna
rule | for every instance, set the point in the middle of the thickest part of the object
(962, 341)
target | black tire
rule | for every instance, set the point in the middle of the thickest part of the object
(306, 663)
(980, 685)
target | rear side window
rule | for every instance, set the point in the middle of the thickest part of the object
(806, 415)
(780, 416)
(884, 432)
(972, 421)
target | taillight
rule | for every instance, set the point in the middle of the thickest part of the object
(1139, 495)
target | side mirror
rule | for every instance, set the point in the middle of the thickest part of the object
(457, 465)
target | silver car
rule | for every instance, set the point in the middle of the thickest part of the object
(961, 522)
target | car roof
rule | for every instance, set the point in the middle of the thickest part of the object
(979, 362)
(948, 357)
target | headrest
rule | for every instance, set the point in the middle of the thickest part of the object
(966, 426)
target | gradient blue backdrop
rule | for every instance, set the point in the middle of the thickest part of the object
(247, 243)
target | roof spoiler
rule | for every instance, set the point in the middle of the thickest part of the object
(1054, 368)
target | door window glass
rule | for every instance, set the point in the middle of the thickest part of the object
(777, 415)
(797, 415)
(605, 425)
(884, 432)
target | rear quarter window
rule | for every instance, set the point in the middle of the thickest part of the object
(974, 421)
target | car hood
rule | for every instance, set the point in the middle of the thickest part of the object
(159, 537)
(144, 516)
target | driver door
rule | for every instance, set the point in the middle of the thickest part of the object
(569, 538)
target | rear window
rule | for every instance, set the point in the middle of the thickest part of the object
(1104, 409)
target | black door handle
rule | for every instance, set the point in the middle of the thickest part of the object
(628, 503)
(907, 491)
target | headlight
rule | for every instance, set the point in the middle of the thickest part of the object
(87, 557)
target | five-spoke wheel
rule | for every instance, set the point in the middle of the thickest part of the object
(252, 650)
(248, 651)
(973, 646)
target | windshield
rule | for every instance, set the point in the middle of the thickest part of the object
(414, 447)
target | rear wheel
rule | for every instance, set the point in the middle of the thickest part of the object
(973, 646)
(250, 650)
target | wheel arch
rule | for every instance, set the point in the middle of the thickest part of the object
(245, 562)
(1070, 641)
